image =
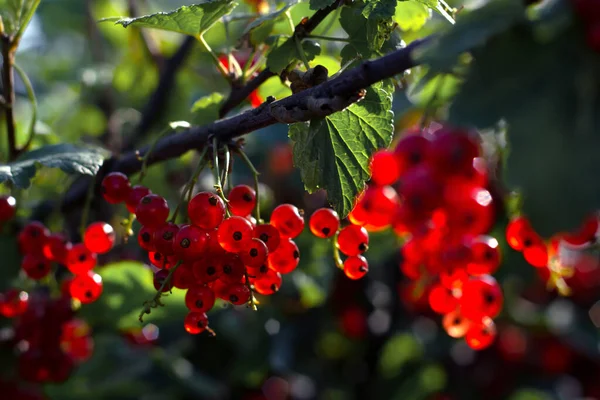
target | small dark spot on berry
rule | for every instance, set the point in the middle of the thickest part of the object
(201, 324)
(146, 237)
(35, 234)
(363, 247)
(489, 298)
(527, 242)
(167, 235)
(264, 237)
(146, 200)
(274, 288)
(233, 298)
(296, 254)
(227, 269)
(263, 269)
(253, 252)
(199, 303)
(456, 321)
(414, 158)
(89, 294)
(82, 257)
(212, 201)
(41, 266)
(246, 197)
(157, 256)
(325, 231)
(488, 255)
(362, 268)
(211, 270)
(185, 243)
(237, 236)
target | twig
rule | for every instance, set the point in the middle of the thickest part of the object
(155, 302)
(33, 100)
(8, 57)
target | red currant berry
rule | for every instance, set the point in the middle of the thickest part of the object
(481, 297)
(152, 211)
(208, 269)
(379, 206)
(57, 248)
(160, 277)
(242, 200)
(136, 195)
(220, 288)
(8, 208)
(411, 150)
(212, 246)
(232, 267)
(454, 279)
(32, 238)
(269, 235)
(288, 220)
(164, 237)
(199, 299)
(35, 266)
(161, 261)
(255, 254)
(472, 215)
(441, 300)
(356, 267)
(238, 294)
(324, 223)
(485, 256)
(86, 287)
(183, 277)
(385, 168)
(116, 187)
(80, 260)
(455, 324)
(536, 253)
(452, 151)
(519, 231)
(13, 303)
(420, 190)
(481, 335)
(268, 283)
(195, 323)
(206, 210)
(75, 340)
(235, 234)
(190, 243)
(353, 240)
(286, 258)
(99, 237)
(146, 238)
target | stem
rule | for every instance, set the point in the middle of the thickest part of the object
(300, 52)
(218, 186)
(255, 174)
(218, 63)
(290, 21)
(252, 303)
(9, 95)
(336, 252)
(248, 63)
(226, 169)
(189, 187)
(333, 39)
(86, 208)
(127, 227)
(34, 105)
(155, 302)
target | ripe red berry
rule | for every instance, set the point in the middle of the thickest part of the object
(206, 210)
(255, 254)
(385, 167)
(13, 302)
(159, 280)
(152, 211)
(163, 238)
(86, 287)
(208, 269)
(190, 243)
(99, 237)
(183, 277)
(536, 253)
(286, 258)
(288, 220)
(378, 204)
(353, 240)
(472, 215)
(455, 324)
(199, 299)
(452, 151)
(441, 300)
(232, 267)
(80, 260)
(116, 187)
(481, 297)
(238, 294)
(146, 238)
(356, 267)
(136, 195)
(35, 266)
(324, 223)
(57, 248)
(518, 231)
(8, 208)
(195, 322)
(32, 238)
(235, 234)
(481, 335)
(269, 235)
(485, 256)
(242, 200)
(268, 283)
(411, 151)
(161, 261)
(420, 190)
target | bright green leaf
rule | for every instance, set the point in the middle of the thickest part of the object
(16, 15)
(333, 153)
(262, 27)
(206, 109)
(379, 9)
(190, 20)
(320, 4)
(285, 53)
(69, 158)
(367, 35)
(411, 15)
(274, 87)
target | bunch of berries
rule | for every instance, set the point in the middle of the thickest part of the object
(589, 12)
(431, 189)
(40, 249)
(221, 253)
(47, 337)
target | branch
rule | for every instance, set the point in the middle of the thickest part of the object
(300, 105)
(305, 27)
(156, 105)
(8, 58)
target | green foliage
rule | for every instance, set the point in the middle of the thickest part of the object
(368, 27)
(396, 353)
(191, 20)
(285, 52)
(320, 4)
(69, 158)
(260, 28)
(411, 15)
(333, 153)
(16, 15)
(206, 109)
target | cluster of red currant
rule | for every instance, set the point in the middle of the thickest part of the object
(431, 188)
(589, 12)
(222, 253)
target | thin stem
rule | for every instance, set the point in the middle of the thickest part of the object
(336, 252)
(332, 39)
(226, 169)
(300, 52)
(218, 186)
(86, 208)
(218, 63)
(9, 95)
(155, 302)
(252, 302)
(255, 174)
(127, 227)
(189, 187)
(288, 16)
(248, 64)
(34, 105)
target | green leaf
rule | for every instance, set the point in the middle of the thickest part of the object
(16, 15)
(379, 8)
(367, 35)
(433, 4)
(262, 27)
(285, 53)
(333, 153)
(69, 158)
(411, 15)
(311, 293)
(320, 4)
(397, 351)
(472, 30)
(191, 20)
(553, 129)
(206, 109)
(126, 286)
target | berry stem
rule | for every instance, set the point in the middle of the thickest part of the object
(189, 187)
(300, 52)
(333, 39)
(252, 303)
(336, 252)
(218, 186)
(218, 63)
(127, 227)
(34, 105)
(155, 302)
(225, 173)
(255, 174)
